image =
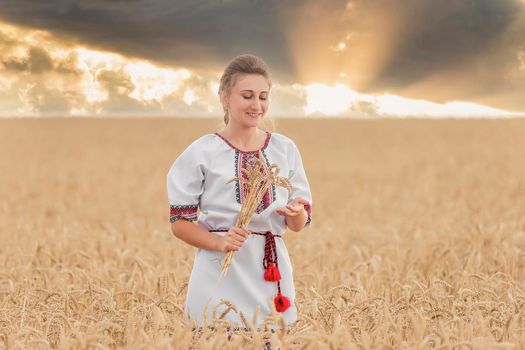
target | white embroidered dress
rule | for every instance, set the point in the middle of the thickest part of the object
(197, 180)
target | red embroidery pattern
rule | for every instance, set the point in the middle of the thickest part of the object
(183, 212)
(242, 158)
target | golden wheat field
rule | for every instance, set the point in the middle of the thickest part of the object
(417, 239)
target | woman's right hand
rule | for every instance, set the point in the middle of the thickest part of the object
(232, 240)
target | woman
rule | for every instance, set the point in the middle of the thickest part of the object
(261, 271)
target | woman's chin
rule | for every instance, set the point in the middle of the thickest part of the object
(253, 121)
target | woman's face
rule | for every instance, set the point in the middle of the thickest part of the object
(248, 100)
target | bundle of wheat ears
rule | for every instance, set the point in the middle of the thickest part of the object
(258, 178)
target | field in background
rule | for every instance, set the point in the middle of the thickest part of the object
(417, 239)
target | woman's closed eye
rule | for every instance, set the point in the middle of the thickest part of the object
(249, 97)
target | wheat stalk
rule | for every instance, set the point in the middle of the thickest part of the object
(257, 179)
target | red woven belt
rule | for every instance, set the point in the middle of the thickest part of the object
(271, 266)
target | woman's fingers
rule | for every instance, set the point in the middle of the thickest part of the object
(230, 244)
(240, 234)
(240, 231)
(295, 208)
(235, 237)
(233, 247)
(301, 202)
(234, 244)
(284, 211)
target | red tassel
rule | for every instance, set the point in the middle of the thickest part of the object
(281, 303)
(272, 273)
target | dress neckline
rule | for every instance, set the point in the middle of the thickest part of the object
(266, 142)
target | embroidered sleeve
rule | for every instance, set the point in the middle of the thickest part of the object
(185, 185)
(186, 212)
(300, 185)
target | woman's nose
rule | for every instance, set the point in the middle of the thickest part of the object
(256, 104)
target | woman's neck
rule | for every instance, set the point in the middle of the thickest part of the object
(243, 138)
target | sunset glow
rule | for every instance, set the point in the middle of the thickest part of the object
(43, 75)
(328, 100)
(340, 100)
(153, 83)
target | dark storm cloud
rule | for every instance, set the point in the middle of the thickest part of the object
(116, 83)
(69, 65)
(439, 50)
(437, 35)
(197, 33)
(37, 61)
(192, 33)
(118, 86)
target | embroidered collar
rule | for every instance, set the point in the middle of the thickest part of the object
(268, 136)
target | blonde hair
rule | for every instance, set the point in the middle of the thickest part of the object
(243, 64)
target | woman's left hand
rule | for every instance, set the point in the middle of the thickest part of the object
(294, 208)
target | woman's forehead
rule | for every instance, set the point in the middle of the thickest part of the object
(251, 82)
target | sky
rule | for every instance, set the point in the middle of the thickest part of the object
(357, 58)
